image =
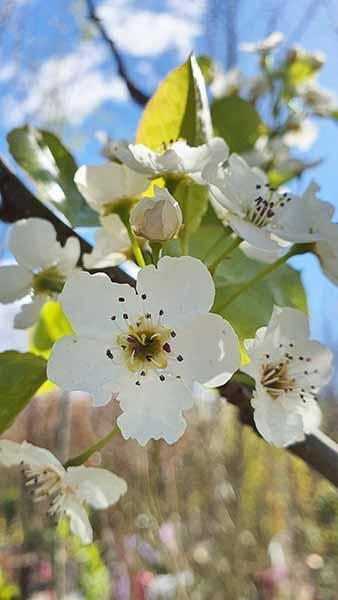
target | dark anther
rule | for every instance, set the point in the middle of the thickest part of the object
(166, 347)
(125, 316)
(149, 357)
(173, 334)
(109, 354)
(142, 373)
(144, 296)
(258, 186)
(137, 383)
(122, 299)
(161, 312)
(267, 355)
(162, 378)
(148, 316)
(180, 358)
(124, 347)
(301, 358)
(113, 317)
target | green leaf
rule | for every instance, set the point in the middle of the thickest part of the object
(52, 325)
(178, 109)
(253, 308)
(237, 121)
(52, 168)
(21, 375)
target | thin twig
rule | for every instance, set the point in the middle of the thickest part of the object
(318, 450)
(136, 94)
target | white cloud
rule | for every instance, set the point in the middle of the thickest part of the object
(143, 32)
(69, 87)
(7, 72)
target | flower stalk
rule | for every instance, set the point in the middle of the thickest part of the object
(233, 244)
(78, 460)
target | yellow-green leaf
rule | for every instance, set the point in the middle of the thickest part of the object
(21, 375)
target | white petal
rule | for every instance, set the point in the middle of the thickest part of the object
(104, 184)
(112, 244)
(69, 256)
(40, 457)
(81, 364)
(256, 236)
(266, 256)
(10, 453)
(99, 487)
(311, 415)
(139, 158)
(277, 425)
(33, 243)
(90, 301)
(290, 323)
(327, 252)
(181, 287)
(15, 283)
(153, 410)
(79, 522)
(29, 313)
(210, 350)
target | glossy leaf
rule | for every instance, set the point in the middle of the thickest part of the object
(49, 164)
(237, 121)
(21, 375)
(253, 308)
(178, 109)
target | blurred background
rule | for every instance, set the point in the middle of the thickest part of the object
(220, 514)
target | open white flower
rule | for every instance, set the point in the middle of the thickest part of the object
(42, 269)
(157, 218)
(66, 489)
(176, 160)
(302, 135)
(112, 244)
(148, 347)
(327, 252)
(264, 46)
(322, 101)
(261, 215)
(109, 186)
(289, 369)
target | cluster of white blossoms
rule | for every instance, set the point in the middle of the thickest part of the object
(65, 489)
(42, 268)
(149, 347)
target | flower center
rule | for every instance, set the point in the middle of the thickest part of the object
(145, 345)
(276, 380)
(49, 281)
(265, 206)
(45, 483)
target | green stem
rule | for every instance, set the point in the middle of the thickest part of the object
(156, 249)
(261, 274)
(214, 246)
(78, 460)
(233, 244)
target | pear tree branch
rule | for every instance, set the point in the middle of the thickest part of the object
(136, 94)
(318, 451)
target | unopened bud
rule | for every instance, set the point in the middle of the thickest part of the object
(158, 218)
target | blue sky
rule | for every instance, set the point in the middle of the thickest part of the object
(55, 73)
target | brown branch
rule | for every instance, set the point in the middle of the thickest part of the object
(136, 94)
(318, 450)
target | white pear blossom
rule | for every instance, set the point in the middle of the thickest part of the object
(157, 218)
(148, 346)
(327, 252)
(108, 186)
(289, 369)
(261, 215)
(226, 83)
(322, 101)
(176, 160)
(66, 489)
(264, 46)
(42, 268)
(302, 135)
(315, 60)
(112, 244)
